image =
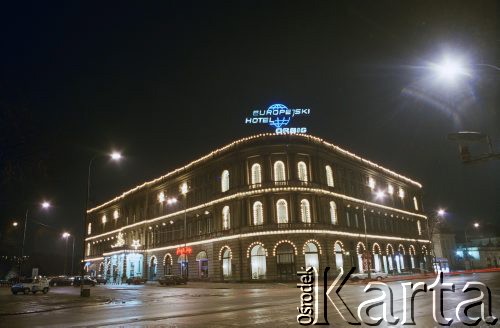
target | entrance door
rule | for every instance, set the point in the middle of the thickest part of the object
(285, 262)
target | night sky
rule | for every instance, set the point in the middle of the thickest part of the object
(166, 83)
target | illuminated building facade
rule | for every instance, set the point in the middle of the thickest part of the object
(261, 208)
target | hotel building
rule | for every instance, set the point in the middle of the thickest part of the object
(261, 208)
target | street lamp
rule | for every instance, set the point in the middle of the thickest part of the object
(380, 194)
(14, 224)
(436, 219)
(466, 251)
(66, 235)
(450, 69)
(184, 190)
(115, 156)
(45, 205)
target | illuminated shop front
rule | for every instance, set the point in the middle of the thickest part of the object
(261, 208)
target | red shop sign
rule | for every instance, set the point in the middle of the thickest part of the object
(184, 251)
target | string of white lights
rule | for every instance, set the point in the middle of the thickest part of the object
(256, 192)
(280, 232)
(243, 140)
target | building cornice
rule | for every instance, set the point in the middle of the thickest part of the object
(248, 139)
(290, 231)
(258, 192)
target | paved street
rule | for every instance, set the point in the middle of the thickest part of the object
(204, 304)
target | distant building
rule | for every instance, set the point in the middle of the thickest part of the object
(479, 253)
(444, 246)
(262, 207)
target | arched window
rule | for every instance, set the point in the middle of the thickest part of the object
(167, 264)
(256, 174)
(202, 260)
(225, 181)
(152, 268)
(302, 171)
(279, 171)
(116, 214)
(258, 262)
(329, 176)
(282, 211)
(311, 255)
(333, 213)
(89, 228)
(226, 218)
(226, 263)
(305, 211)
(376, 256)
(339, 259)
(258, 213)
(359, 251)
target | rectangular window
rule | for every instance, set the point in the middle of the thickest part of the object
(209, 225)
(348, 220)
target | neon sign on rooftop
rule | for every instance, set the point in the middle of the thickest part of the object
(279, 116)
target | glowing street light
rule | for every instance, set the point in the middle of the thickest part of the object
(450, 69)
(466, 252)
(184, 190)
(45, 205)
(380, 194)
(14, 224)
(441, 212)
(116, 156)
(66, 235)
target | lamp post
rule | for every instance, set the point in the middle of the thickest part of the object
(115, 156)
(466, 252)
(184, 190)
(367, 251)
(451, 70)
(66, 235)
(436, 219)
(44, 205)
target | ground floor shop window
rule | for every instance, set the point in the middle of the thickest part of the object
(202, 260)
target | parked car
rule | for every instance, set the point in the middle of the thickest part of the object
(374, 275)
(87, 280)
(172, 280)
(5, 283)
(135, 281)
(101, 279)
(32, 285)
(61, 281)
